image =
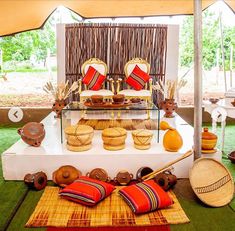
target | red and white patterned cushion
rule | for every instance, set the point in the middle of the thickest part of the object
(145, 197)
(138, 78)
(87, 191)
(93, 79)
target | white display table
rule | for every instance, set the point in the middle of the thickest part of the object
(21, 159)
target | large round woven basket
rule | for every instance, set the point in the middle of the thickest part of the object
(211, 182)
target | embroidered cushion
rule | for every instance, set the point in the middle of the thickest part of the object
(145, 197)
(93, 79)
(138, 78)
(87, 191)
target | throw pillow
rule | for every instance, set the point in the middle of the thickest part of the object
(138, 78)
(145, 197)
(93, 79)
(87, 191)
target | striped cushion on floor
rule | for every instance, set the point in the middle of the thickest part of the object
(145, 197)
(138, 78)
(93, 79)
(87, 191)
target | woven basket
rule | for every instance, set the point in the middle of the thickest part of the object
(211, 182)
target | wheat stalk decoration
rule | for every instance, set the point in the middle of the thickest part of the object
(62, 91)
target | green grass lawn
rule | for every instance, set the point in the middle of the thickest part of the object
(202, 218)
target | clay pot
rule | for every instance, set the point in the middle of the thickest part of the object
(36, 181)
(97, 99)
(231, 156)
(32, 133)
(123, 177)
(57, 107)
(165, 180)
(118, 99)
(98, 174)
(65, 175)
(169, 106)
(143, 171)
(209, 140)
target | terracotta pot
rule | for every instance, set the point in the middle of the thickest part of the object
(97, 99)
(165, 180)
(119, 99)
(99, 174)
(32, 133)
(36, 181)
(65, 175)
(169, 106)
(209, 140)
(143, 171)
(57, 107)
(123, 177)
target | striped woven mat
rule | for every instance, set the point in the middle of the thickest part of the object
(53, 211)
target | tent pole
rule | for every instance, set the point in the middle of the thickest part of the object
(197, 77)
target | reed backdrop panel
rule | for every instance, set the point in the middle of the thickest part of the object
(115, 44)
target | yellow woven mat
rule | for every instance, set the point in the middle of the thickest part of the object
(52, 210)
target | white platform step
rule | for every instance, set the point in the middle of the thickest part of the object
(21, 159)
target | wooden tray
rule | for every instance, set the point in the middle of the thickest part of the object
(106, 105)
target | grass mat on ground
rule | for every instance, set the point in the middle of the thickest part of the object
(11, 194)
(24, 212)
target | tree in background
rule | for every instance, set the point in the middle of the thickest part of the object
(211, 40)
(22, 46)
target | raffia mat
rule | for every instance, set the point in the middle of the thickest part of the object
(54, 211)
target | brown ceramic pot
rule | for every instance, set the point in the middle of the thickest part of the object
(65, 175)
(98, 174)
(36, 181)
(119, 99)
(97, 99)
(32, 133)
(57, 107)
(165, 180)
(123, 177)
(143, 171)
(169, 106)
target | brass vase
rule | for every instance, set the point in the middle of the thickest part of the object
(169, 106)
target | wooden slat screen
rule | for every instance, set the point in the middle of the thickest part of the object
(115, 44)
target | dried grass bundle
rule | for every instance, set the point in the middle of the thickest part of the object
(159, 86)
(170, 89)
(61, 91)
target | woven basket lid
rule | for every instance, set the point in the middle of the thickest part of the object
(114, 132)
(211, 182)
(78, 130)
(142, 133)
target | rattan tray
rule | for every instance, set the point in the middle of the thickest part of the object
(211, 182)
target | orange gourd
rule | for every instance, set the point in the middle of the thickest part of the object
(172, 140)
